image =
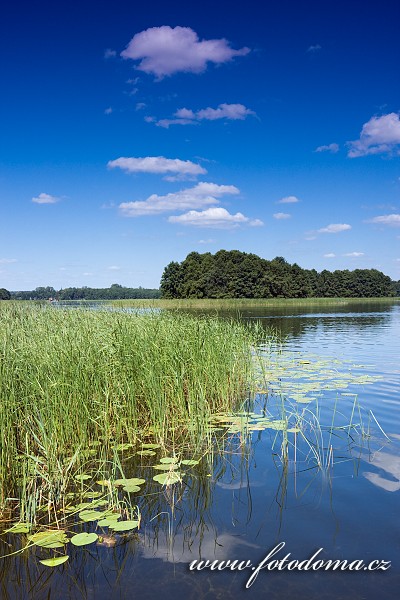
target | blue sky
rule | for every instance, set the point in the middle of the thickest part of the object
(132, 135)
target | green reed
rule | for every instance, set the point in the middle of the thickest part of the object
(71, 378)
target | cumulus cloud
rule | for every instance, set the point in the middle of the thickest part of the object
(379, 135)
(329, 255)
(215, 218)
(333, 148)
(45, 199)
(7, 261)
(202, 195)
(391, 220)
(288, 200)
(157, 164)
(108, 111)
(281, 215)
(354, 254)
(186, 116)
(167, 50)
(335, 228)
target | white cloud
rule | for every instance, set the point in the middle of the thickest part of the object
(391, 220)
(45, 199)
(202, 195)
(329, 148)
(314, 48)
(166, 50)
(110, 53)
(209, 241)
(281, 215)
(157, 164)
(108, 111)
(354, 254)
(7, 261)
(186, 116)
(140, 105)
(215, 218)
(288, 200)
(114, 268)
(379, 135)
(335, 228)
(329, 255)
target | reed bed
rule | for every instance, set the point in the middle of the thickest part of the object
(74, 383)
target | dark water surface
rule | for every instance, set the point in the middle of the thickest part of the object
(240, 504)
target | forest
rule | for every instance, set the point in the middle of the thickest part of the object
(235, 274)
(114, 292)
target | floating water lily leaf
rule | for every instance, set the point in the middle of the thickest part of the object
(104, 482)
(19, 528)
(190, 462)
(122, 447)
(168, 478)
(54, 538)
(90, 494)
(131, 481)
(124, 525)
(131, 488)
(82, 477)
(54, 562)
(92, 515)
(169, 467)
(146, 453)
(83, 539)
(167, 460)
(111, 520)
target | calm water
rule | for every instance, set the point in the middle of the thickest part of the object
(244, 502)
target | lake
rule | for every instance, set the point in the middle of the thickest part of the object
(333, 493)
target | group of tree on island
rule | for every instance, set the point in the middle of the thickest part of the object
(235, 274)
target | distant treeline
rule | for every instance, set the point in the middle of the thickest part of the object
(115, 292)
(234, 274)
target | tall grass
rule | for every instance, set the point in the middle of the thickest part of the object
(72, 378)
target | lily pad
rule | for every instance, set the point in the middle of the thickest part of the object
(19, 528)
(168, 460)
(146, 453)
(168, 478)
(124, 525)
(108, 521)
(82, 477)
(83, 539)
(54, 562)
(190, 462)
(130, 489)
(55, 538)
(130, 482)
(169, 467)
(92, 515)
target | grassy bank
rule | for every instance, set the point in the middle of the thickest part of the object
(243, 303)
(75, 380)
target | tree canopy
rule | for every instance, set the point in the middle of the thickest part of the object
(235, 274)
(4, 294)
(114, 292)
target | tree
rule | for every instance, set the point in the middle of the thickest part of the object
(4, 294)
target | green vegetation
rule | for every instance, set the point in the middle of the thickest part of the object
(114, 292)
(234, 274)
(4, 294)
(77, 384)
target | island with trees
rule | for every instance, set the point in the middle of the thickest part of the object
(235, 274)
